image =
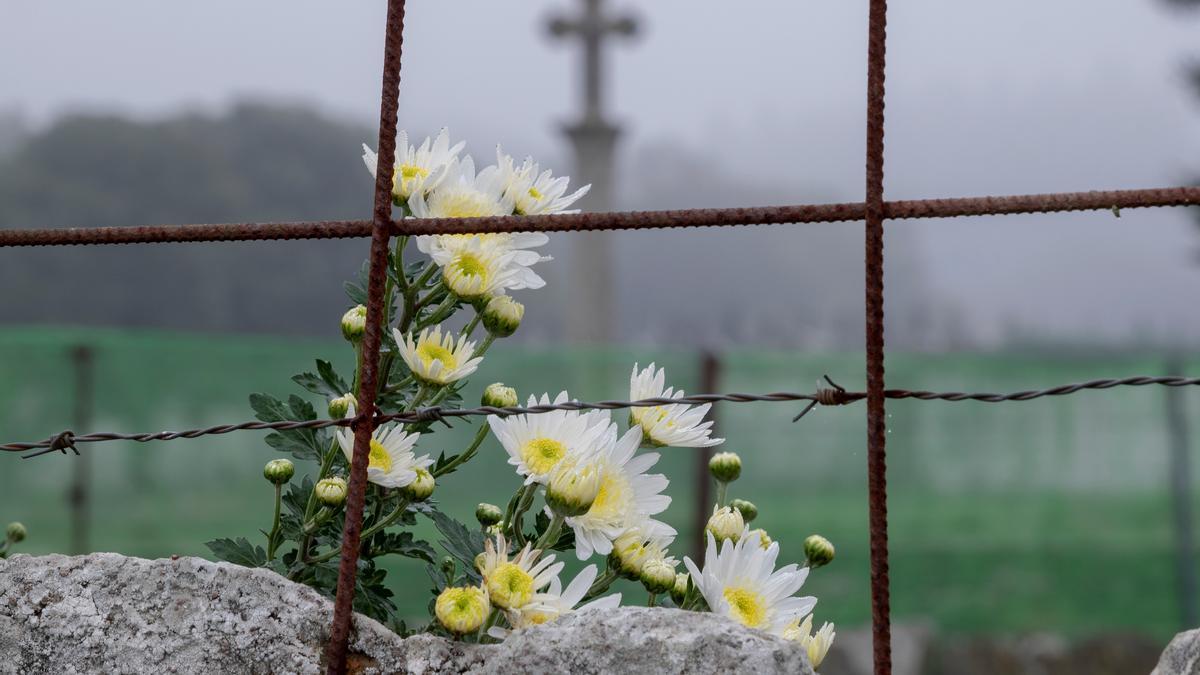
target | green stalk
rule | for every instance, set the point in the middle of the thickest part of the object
(273, 538)
(601, 584)
(470, 327)
(482, 348)
(651, 601)
(466, 454)
(370, 531)
(519, 514)
(550, 536)
(722, 489)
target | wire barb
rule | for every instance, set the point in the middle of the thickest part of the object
(63, 440)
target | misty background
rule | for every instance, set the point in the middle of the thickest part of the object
(256, 112)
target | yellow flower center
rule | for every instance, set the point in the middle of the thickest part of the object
(463, 204)
(535, 193)
(541, 454)
(510, 586)
(411, 171)
(379, 458)
(538, 618)
(430, 351)
(747, 607)
(613, 497)
(470, 265)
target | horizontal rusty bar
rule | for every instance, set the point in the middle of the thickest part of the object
(628, 220)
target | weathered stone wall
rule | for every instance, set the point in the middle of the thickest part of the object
(107, 613)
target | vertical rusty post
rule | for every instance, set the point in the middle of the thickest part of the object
(710, 374)
(876, 417)
(335, 655)
(81, 478)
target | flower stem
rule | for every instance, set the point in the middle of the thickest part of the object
(470, 327)
(487, 342)
(466, 454)
(273, 538)
(722, 489)
(652, 600)
(370, 531)
(550, 536)
(601, 583)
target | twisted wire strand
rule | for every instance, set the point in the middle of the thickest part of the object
(832, 396)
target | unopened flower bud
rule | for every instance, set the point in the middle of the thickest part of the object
(748, 509)
(462, 610)
(488, 514)
(572, 489)
(630, 551)
(338, 407)
(331, 492)
(421, 487)
(658, 576)
(761, 536)
(354, 323)
(279, 471)
(680, 589)
(725, 523)
(502, 316)
(493, 530)
(818, 550)
(449, 567)
(725, 466)
(15, 532)
(497, 395)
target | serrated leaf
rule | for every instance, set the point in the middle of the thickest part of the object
(267, 408)
(403, 543)
(331, 378)
(460, 542)
(238, 552)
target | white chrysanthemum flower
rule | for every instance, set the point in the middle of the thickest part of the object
(817, 645)
(463, 193)
(478, 267)
(535, 193)
(628, 496)
(678, 426)
(741, 582)
(555, 602)
(511, 584)
(417, 169)
(392, 462)
(536, 444)
(436, 358)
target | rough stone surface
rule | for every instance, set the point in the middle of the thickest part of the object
(1182, 655)
(107, 613)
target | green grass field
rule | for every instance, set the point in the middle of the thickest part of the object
(1026, 516)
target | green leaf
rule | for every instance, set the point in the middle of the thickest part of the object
(303, 444)
(238, 552)
(267, 408)
(331, 378)
(460, 542)
(403, 543)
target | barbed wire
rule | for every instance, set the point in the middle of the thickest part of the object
(834, 395)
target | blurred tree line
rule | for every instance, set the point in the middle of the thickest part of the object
(256, 162)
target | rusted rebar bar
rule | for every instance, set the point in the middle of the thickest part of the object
(881, 628)
(339, 635)
(623, 220)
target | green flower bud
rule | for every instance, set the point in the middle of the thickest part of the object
(658, 576)
(421, 486)
(748, 509)
(449, 567)
(725, 523)
(725, 466)
(680, 589)
(279, 471)
(15, 532)
(502, 316)
(499, 396)
(488, 514)
(338, 407)
(331, 492)
(354, 323)
(572, 489)
(818, 550)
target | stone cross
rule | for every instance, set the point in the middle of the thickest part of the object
(590, 314)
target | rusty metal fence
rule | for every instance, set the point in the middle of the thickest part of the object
(874, 210)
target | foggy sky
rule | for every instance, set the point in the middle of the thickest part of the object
(983, 98)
